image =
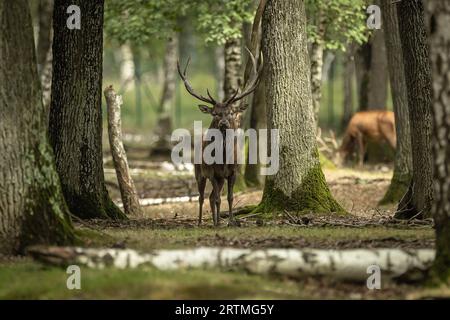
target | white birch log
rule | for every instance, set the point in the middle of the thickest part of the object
(127, 188)
(339, 264)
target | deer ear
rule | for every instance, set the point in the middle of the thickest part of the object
(204, 109)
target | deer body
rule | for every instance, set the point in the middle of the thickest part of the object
(374, 125)
(225, 116)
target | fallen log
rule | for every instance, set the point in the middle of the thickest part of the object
(340, 264)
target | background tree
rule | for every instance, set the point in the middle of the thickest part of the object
(413, 35)
(331, 26)
(164, 122)
(439, 17)
(76, 114)
(32, 207)
(403, 158)
(299, 184)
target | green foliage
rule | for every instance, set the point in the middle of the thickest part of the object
(343, 21)
(220, 20)
(139, 21)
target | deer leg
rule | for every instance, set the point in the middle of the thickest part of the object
(220, 183)
(212, 203)
(201, 183)
(230, 185)
(361, 150)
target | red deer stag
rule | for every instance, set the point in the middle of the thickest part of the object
(224, 116)
(374, 125)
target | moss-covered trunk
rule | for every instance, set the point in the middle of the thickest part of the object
(76, 110)
(32, 208)
(403, 157)
(439, 17)
(413, 35)
(299, 184)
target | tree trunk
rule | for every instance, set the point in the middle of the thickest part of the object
(363, 60)
(233, 81)
(299, 183)
(164, 124)
(32, 207)
(76, 111)
(233, 78)
(317, 49)
(127, 69)
(417, 200)
(258, 120)
(130, 198)
(349, 71)
(137, 85)
(45, 36)
(439, 17)
(378, 79)
(44, 50)
(219, 59)
(403, 158)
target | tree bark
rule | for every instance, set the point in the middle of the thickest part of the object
(378, 81)
(233, 81)
(363, 60)
(299, 183)
(44, 50)
(45, 36)
(439, 25)
(32, 207)
(127, 69)
(417, 200)
(317, 49)
(164, 123)
(349, 72)
(219, 59)
(350, 265)
(130, 198)
(76, 113)
(403, 157)
(233, 65)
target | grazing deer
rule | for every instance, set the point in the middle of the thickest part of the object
(224, 116)
(374, 125)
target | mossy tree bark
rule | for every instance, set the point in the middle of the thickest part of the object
(418, 198)
(403, 157)
(439, 17)
(164, 123)
(32, 207)
(75, 126)
(299, 185)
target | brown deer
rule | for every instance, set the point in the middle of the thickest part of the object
(224, 116)
(374, 125)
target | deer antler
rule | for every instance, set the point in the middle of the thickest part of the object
(248, 88)
(189, 88)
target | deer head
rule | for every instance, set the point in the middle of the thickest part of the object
(225, 116)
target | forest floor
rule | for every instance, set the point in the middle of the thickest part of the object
(174, 225)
